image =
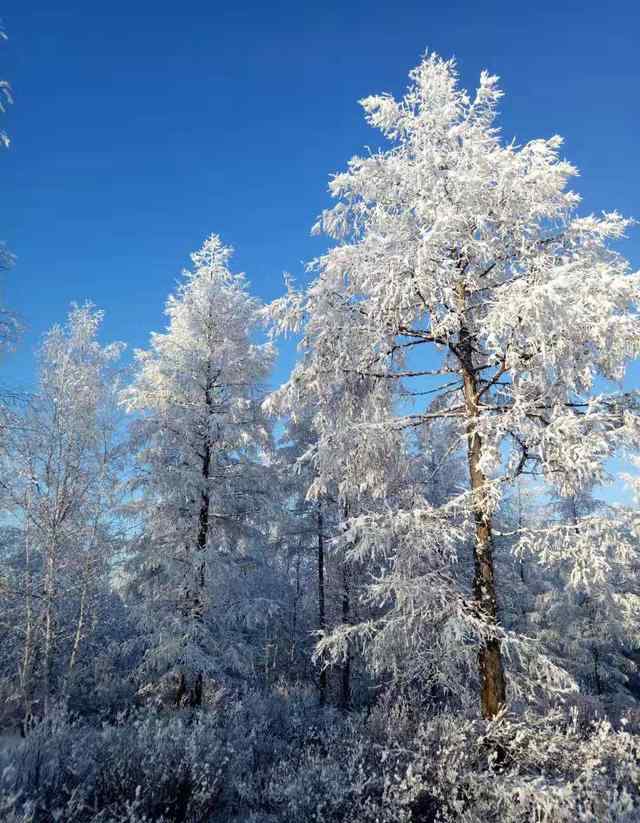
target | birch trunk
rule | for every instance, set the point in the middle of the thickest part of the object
(80, 624)
(28, 655)
(49, 626)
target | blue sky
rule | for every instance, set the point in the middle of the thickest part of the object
(140, 128)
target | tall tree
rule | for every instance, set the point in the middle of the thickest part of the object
(202, 479)
(463, 277)
(62, 459)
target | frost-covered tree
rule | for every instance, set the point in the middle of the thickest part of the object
(348, 478)
(202, 478)
(302, 528)
(428, 527)
(594, 619)
(463, 275)
(61, 461)
(584, 615)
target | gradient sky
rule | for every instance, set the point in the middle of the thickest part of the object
(139, 128)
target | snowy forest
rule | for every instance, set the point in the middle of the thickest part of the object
(388, 590)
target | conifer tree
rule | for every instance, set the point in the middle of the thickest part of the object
(201, 477)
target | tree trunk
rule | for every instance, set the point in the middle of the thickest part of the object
(190, 694)
(203, 517)
(492, 681)
(49, 626)
(596, 672)
(78, 634)
(322, 623)
(28, 656)
(345, 696)
(294, 617)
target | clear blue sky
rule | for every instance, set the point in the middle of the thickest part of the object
(139, 128)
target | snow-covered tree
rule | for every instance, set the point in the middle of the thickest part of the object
(349, 477)
(202, 477)
(301, 533)
(462, 269)
(61, 461)
(583, 614)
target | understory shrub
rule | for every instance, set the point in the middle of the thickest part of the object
(278, 758)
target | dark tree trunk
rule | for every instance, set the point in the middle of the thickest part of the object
(191, 694)
(203, 516)
(322, 623)
(596, 672)
(345, 695)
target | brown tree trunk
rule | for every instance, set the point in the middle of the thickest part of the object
(492, 681)
(321, 603)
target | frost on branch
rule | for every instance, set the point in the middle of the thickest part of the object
(464, 288)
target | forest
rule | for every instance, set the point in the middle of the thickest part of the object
(388, 590)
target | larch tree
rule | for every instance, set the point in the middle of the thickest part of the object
(202, 476)
(463, 276)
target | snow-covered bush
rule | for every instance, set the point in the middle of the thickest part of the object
(280, 759)
(261, 757)
(542, 769)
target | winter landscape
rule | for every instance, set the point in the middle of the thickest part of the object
(358, 544)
